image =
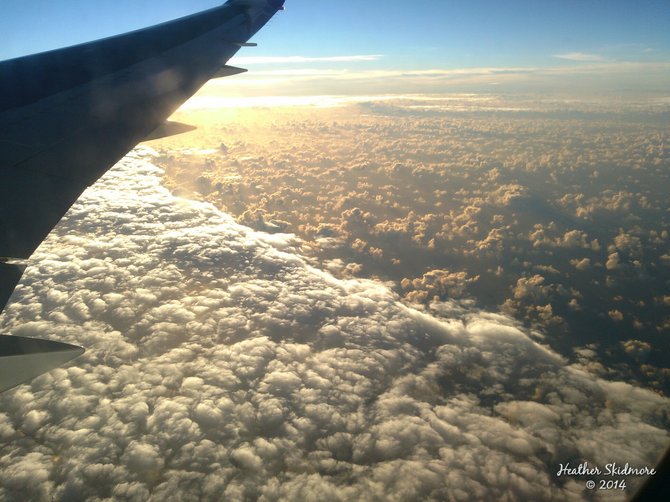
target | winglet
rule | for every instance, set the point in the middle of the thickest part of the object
(22, 359)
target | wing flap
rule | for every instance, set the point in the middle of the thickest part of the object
(23, 358)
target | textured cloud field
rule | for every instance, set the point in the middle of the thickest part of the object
(221, 365)
(554, 211)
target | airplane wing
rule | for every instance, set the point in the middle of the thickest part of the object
(68, 115)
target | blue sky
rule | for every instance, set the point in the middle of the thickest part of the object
(416, 35)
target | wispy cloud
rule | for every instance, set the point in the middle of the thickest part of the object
(578, 77)
(579, 56)
(437, 75)
(306, 59)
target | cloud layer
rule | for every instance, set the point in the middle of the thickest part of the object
(221, 365)
(554, 210)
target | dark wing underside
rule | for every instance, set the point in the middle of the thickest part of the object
(68, 115)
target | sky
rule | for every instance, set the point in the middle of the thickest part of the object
(424, 34)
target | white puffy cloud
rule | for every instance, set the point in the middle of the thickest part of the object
(220, 364)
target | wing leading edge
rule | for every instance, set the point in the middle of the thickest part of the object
(68, 115)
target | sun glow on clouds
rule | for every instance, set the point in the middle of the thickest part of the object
(213, 102)
(452, 102)
(221, 365)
